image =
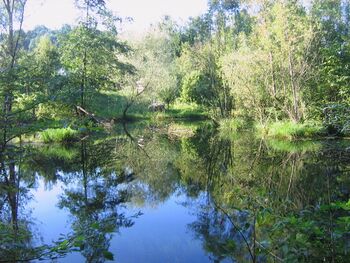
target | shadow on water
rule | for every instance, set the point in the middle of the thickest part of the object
(250, 200)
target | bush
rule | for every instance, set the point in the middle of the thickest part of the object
(337, 119)
(59, 135)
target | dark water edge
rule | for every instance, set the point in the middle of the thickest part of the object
(178, 193)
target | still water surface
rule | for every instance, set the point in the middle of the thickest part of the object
(178, 193)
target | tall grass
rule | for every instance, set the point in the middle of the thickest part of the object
(290, 130)
(62, 135)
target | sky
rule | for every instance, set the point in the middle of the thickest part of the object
(54, 13)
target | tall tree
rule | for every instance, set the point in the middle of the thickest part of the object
(283, 40)
(89, 51)
(12, 16)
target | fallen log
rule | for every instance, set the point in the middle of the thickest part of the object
(82, 111)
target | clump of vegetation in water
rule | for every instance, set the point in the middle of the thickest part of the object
(290, 130)
(308, 231)
(61, 135)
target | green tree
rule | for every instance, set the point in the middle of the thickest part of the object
(278, 76)
(40, 77)
(89, 52)
(159, 50)
(12, 13)
(201, 79)
(330, 96)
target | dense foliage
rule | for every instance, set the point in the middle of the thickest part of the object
(261, 61)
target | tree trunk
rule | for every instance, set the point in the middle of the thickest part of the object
(294, 89)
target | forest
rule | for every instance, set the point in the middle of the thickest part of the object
(228, 132)
(278, 67)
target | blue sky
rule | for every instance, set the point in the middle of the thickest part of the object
(54, 13)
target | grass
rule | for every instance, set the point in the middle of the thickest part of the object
(186, 111)
(290, 130)
(62, 135)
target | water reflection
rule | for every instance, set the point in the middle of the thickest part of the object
(15, 224)
(273, 204)
(250, 200)
(93, 197)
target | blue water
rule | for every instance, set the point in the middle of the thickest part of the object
(159, 235)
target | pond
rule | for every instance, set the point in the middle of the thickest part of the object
(175, 193)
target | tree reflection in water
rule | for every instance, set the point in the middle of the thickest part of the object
(271, 205)
(94, 195)
(254, 200)
(94, 198)
(17, 228)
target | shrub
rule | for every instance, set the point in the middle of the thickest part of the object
(337, 119)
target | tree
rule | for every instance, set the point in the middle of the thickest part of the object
(89, 52)
(245, 72)
(280, 74)
(12, 16)
(159, 49)
(154, 76)
(201, 79)
(198, 30)
(330, 97)
(40, 77)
